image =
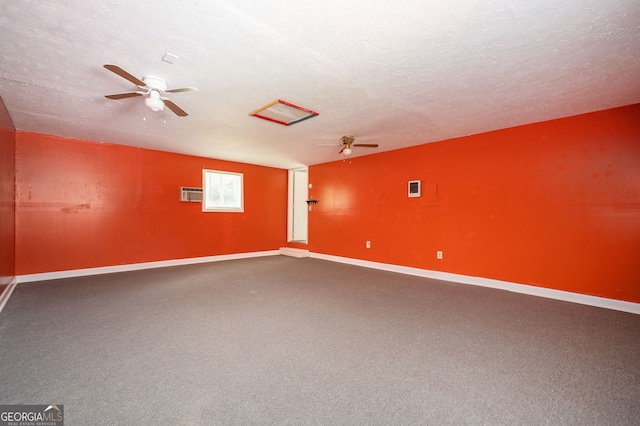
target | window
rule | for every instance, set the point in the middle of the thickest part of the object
(223, 191)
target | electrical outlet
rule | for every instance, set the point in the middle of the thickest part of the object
(439, 254)
(368, 244)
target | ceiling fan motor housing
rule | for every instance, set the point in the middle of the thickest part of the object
(347, 140)
(155, 83)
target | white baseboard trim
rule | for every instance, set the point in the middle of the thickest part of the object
(4, 297)
(294, 252)
(601, 302)
(138, 266)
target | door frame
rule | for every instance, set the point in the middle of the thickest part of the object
(301, 203)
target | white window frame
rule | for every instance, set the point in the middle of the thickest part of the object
(206, 191)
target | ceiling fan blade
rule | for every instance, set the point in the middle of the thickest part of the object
(122, 73)
(182, 89)
(370, 145)
(123, 95)
(175, 108)
(341, 150)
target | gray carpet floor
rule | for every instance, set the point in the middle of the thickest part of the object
(286, 341)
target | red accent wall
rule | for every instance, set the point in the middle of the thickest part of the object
(553, 204)
(82, 204)
(7, 197)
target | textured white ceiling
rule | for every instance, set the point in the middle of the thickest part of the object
(397, 73)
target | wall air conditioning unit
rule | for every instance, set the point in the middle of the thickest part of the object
(191, 194)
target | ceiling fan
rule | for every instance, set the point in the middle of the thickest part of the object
(153, 88)
(347, 144)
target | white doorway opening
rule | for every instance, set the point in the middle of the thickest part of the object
(298, 216)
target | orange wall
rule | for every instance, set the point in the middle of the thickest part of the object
(83, 204)
(7, 197)
(553, 204)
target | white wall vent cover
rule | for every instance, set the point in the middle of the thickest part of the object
(415, 189)
(191, 194)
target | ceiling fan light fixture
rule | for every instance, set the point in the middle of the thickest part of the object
(153, 102)
(346, 151)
